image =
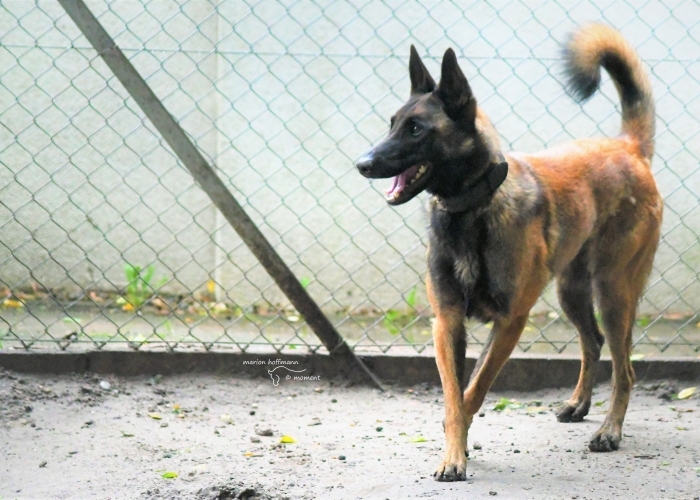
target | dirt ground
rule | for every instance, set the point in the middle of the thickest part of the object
(84, 437)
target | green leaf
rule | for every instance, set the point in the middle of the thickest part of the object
(148, 276)
(305, 281)
(411, 299)
(418, 439)
(600, 403)
(170, 475)
(501, 405)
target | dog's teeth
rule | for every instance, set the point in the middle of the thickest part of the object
(422, 169)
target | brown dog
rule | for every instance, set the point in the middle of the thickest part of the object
(587, 212)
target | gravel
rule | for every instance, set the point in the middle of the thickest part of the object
(68, 437)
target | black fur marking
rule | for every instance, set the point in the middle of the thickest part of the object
(582, 84)
(622, 74)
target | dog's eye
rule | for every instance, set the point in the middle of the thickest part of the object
(415, 129)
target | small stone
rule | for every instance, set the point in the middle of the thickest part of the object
(341, 457)
(334, 400)
(43, 464)
(28, 409)
(252, 412)
(164, 424)
(318, 390)
(482, 414)
(254, 406)
(254, 439)
(493, 493)
(380, 429)
(264, 432)
(105, 385)
(516, 451)
(477, 445)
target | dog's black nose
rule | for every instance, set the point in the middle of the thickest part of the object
(364, 165)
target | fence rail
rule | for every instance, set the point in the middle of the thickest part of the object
(106, 241)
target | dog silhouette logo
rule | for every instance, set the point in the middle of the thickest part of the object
(276, 378)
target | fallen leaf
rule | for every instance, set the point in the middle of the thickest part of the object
(155, 416)
(686, 393)
(600, 403)
(12, 303)
(681, 428)
(665, 463)
(287, 439)
(211, 287)
(227, 419)
(127, 307)
(170, 475)
(418, 439)
(127, 434)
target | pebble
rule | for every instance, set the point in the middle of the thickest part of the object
(493, 493)
(105, 385)
(254, 439)
(263, 432)
(43, 464)
(477, 445)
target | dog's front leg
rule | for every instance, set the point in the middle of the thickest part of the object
(450, 346)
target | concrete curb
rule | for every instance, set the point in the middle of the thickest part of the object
(521, 373)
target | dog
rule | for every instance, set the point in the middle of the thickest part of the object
(587, 213)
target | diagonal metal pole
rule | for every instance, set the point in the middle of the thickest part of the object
(206, 177)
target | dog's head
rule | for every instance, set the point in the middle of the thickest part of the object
(437, 140)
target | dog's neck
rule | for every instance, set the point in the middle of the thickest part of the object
(479, 192)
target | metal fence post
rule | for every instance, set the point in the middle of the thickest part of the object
(206, 177)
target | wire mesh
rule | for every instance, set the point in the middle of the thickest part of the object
(106, 242)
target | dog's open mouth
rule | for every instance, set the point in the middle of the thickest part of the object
(408, 184)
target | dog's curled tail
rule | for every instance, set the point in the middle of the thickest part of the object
(596, 45)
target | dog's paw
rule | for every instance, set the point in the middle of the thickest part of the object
(452, 469)
(572, 412)
(606, 439)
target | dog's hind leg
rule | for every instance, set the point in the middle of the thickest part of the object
(576, 299)
(618, 291)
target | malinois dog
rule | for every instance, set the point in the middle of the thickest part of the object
(587, 213)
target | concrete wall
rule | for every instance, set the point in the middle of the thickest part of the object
(282, 97)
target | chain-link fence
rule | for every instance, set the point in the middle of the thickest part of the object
(106, 241)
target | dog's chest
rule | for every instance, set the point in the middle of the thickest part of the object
(460, 243)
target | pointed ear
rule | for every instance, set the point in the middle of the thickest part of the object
(454, 91)
(421, 81)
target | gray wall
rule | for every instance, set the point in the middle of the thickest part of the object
(282, 97)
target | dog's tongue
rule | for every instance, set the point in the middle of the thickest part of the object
(397, 184)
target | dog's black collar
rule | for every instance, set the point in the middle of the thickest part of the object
(480, 191)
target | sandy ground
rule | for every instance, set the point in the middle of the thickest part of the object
(87, 437)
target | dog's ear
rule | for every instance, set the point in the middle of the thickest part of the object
(454, 91)
(421, 81)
